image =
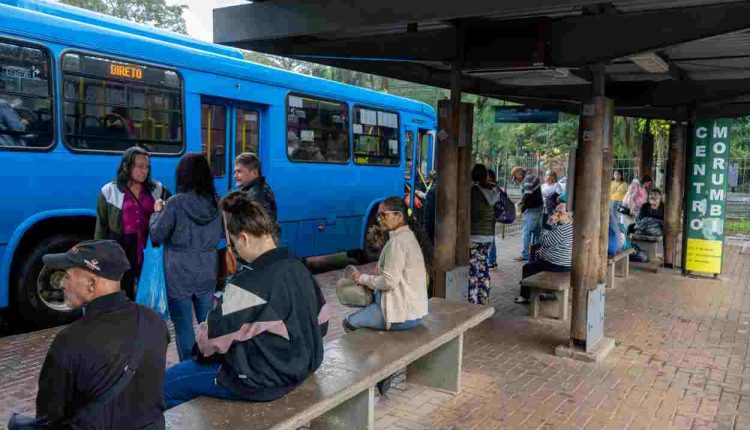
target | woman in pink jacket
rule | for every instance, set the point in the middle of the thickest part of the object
(633, 200)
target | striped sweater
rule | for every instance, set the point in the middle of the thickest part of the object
(557, 245)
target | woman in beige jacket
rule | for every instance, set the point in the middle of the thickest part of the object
(400, 286)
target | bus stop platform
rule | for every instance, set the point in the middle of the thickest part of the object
(681, 361)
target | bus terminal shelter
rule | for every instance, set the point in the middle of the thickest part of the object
(685, 61)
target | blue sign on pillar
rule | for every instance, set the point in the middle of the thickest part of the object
(521, 114)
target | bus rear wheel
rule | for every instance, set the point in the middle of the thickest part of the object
(40, 302)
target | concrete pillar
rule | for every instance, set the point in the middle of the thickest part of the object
(674, 191)
(587, 218)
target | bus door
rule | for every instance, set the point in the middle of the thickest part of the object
(425, 157)
(410, 177)
(228, 128)
(420, 171)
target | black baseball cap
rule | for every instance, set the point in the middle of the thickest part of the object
(104, 258)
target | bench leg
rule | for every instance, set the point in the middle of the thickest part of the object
(611, 275)
(562, 299)
(534, 304)
(357, 413)
(626, 267)
(440, 369)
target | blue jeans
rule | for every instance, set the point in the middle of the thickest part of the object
(532, 226)
(181, 313)
(187, 380)
(372, 317)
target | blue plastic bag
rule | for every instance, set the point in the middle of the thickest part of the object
(152, 286)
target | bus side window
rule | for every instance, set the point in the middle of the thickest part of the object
(111, 105)
(376, 137)
(214, 137)
(25, 97)
(317, 130)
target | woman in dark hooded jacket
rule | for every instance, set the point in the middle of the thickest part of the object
(189, 225)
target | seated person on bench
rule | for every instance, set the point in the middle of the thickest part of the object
(265, 337)
(555, 252)
(653, 209)
(616, 239)
(400, 286)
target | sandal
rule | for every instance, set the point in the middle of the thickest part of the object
(521, 300)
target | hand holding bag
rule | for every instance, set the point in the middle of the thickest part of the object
(350, 293)
(152, 285)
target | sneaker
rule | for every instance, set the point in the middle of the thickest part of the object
(521, 300)
(520, 259)
(348, 328)
(493, 267)
(384, 385)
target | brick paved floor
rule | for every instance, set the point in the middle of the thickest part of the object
(681, 361)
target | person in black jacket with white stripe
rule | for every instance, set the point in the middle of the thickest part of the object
(265, 336)
(556, 250)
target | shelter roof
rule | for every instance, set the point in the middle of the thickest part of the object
(661, 57)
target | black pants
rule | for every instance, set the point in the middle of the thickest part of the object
(530, 269)
(129, 243)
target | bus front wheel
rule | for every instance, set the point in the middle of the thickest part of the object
(40, 302)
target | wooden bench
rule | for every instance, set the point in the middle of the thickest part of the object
(340, 394)
(548, 282)
(649, 244)
(622, 260)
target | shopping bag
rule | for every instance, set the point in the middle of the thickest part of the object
(152, 286)
(350, 293)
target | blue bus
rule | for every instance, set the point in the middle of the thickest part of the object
(77, 88)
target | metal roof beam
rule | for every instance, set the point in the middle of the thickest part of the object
(585, 40)
(287, 18)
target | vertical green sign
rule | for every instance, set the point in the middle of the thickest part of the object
(706, 195)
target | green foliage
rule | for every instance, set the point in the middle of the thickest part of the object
(156, 13)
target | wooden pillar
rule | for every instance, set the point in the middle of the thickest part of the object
(607, 167)
(447, 195)
(446, 223)
(646, 162)
(463, 211)
(587, 217)
(674, 190)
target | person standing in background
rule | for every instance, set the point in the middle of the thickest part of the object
(617, 189)
(189, 226)
(551, 192)
(531, 205)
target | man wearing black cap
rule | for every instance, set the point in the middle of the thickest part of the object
(104, 371)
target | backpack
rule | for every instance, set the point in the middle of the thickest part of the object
(505, 210)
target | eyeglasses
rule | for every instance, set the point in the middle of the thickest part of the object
(381, 215)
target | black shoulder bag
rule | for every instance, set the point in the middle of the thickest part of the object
(24, 422)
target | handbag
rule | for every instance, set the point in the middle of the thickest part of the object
(25, 422)
(227, 259)
(227, 265)
(351, 294)
(152, 285)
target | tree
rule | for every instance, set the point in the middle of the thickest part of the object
(156, 13)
